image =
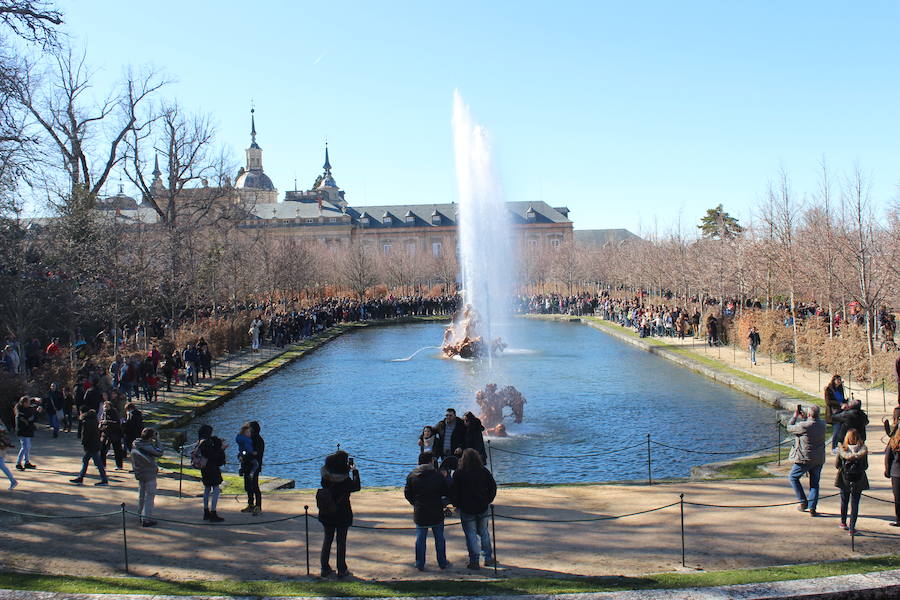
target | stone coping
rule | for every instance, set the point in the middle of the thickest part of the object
(883, 585)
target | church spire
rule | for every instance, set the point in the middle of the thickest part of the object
(253, 143)
(327, 165)
(157, 175)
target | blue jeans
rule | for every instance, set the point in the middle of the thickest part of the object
(440, 544)
(815, 473)
(837, 434)
(53, 420)
(475, 527)
(24, 451)
(752, 354)
(97, 463)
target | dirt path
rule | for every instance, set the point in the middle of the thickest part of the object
(716, 537)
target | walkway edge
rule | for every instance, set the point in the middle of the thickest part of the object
(769, 396)
(880, 585)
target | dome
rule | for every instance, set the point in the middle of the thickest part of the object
(327, 182)
(254, 179)
(118, 202)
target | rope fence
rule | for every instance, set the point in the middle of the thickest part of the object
(681, 503)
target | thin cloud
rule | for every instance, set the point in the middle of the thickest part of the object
(321, 56)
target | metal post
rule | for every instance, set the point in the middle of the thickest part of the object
(793, 369)
(853, 540)
(771, 359)
(883, 394)
(649, 468)
(819, 373)
(180, 468)
(124, 538)
(490, 456)
(681, 504)
(306, 525)
(494, 538)
(778, 438)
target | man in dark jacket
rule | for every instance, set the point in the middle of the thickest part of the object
(452, 434)
(425, 487)
(133, 425)
(472, 491)
(852, 418)
(53, 405)
(90, 441)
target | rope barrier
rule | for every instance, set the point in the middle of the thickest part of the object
(568, 455)
(652, 441)
(201, 524)
(756, 505)
(375, 527)
(609, 518)
(37, 516)
(879, 499)
(384, 462)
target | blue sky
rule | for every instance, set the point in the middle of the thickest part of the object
(628, 113)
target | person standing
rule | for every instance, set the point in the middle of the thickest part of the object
(892, 471)
(853, 417)
(452, 434)
(474, 435)
(90, 441)
(26, 414)
(250, 466)
(133, 425)
(111, 436)
(53, 406)
(808, 456)
(144, 454)
(68, 410)
(712, 331)
(254, 332)
(212, 451)
(852, 463)
(4, 445)
(754, 342)
(834, 403)
(425, 488)
(340, 478)
(472, 491)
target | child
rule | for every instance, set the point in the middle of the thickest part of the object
(427, 440)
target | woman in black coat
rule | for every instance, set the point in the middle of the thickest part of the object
(340, 478)
(212, 451)
(474, 436)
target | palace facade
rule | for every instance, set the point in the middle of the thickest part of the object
(323, 214)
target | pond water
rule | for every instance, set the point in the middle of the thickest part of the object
(586, 393)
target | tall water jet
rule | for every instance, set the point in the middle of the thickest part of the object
(485, 249)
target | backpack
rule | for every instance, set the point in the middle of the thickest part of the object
(325, 502)
(853, 470)
(198, 461)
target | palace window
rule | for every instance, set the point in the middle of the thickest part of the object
(332, 220)
(435, 219)
(410, 248)
(364, 221)
(555, 242)
(530, 215)
(386, 248)
(436, 249)
(310, 220)
(386, 219)
(410, 220)
(532, 242)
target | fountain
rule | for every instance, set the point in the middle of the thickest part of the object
(485, 249)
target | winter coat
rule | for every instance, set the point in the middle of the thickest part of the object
(143, 457)
(809, 445)
(55, 401)
(473, 491)
(845, 457)
(211, 449)
(832, 403)
(111, 431)
(457, 438)
(340, 485)
(853, 418)
(425, 488)
(134, 424)
(90, 434)
(891, 462)
(25, 422)
(474, 438)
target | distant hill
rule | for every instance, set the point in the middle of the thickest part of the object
(601, 237)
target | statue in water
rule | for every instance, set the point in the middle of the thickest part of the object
(492, 403)
(461, 337)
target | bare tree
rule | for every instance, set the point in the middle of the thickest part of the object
(358, 269)
(56, 98)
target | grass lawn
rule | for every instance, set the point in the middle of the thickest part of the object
(500, 586)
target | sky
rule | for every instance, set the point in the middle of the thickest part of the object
(635, 115)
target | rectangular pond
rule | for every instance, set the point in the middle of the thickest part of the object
(586, 392)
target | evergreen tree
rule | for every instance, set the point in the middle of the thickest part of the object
(719, 225)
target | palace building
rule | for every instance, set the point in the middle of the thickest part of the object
(323, 214)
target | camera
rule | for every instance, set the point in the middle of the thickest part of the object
(350, 462)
